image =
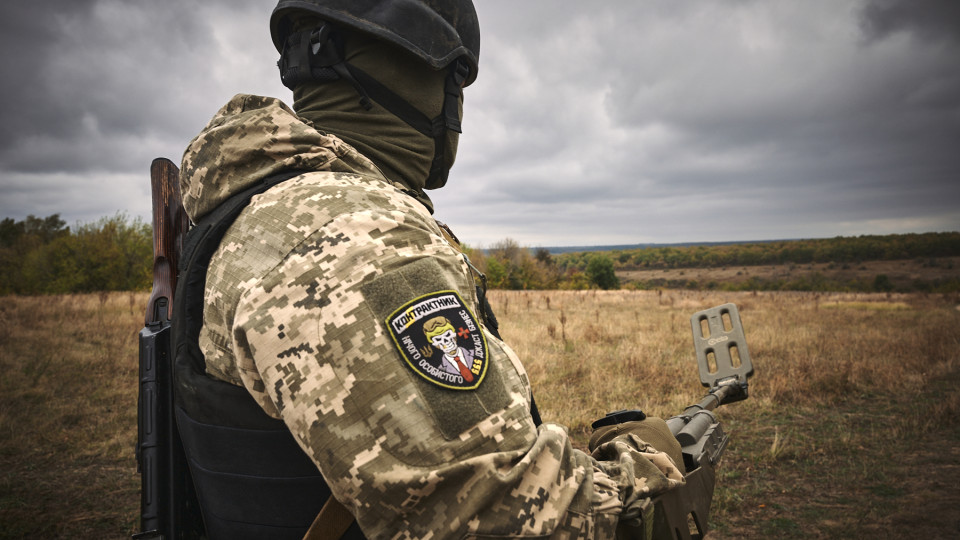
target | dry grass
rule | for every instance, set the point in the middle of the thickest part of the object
(68, 394)
(851, 430)
(901, 273)
(852, 427)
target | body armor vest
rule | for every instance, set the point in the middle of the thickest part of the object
(251, 478)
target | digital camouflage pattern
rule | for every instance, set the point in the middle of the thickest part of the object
(297, 300)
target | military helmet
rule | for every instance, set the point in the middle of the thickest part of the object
(436, 31)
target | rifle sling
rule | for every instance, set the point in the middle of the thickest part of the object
(332, 521)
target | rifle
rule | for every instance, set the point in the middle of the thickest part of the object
(725, 367)
(166, 507)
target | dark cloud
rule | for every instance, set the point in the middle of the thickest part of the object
(69, 70)
(94, 90)
(88, 77)
(29, 37)
(779, 110)
(926, 19)
(590, 122)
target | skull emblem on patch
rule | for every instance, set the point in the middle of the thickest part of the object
(440, 340)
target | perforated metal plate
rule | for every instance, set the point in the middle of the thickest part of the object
(721, 346)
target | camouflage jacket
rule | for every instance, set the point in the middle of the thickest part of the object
(330, 300)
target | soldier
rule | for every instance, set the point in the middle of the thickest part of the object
(317, 299)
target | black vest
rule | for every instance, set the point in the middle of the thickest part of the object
(252, 480)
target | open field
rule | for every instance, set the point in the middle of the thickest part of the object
(852, 429)
(902, 274)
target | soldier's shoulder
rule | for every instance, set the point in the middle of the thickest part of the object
(333, 193)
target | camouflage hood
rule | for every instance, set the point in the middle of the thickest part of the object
(251, 138)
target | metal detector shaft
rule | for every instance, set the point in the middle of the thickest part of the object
(725, 367)
(709, 402)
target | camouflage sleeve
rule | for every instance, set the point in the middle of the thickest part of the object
(347, 339)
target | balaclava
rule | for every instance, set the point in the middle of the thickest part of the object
(401, 152)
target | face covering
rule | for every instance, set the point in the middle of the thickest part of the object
(403, 153)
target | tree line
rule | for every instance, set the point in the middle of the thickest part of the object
(510, 266)
(45, 256)
(507, 265)
(853, 249)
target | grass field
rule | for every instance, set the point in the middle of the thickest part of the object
(852, 429)
(903, 275)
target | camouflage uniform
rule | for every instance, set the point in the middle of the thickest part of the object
(297, 299)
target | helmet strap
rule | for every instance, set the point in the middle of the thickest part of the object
(317, 56)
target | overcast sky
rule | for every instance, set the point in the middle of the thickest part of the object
(604, 122)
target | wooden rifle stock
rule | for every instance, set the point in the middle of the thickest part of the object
(167, 509)
(169, 226)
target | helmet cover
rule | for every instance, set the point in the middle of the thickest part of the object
(436, 31)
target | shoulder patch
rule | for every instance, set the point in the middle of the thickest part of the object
(440, 340)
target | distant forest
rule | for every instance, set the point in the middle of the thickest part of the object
(842, 264)
(508, 266)
(852, 249)
(45, 256)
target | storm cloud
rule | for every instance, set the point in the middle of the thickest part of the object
(590, 123)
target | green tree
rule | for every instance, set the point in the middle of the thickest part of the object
(496, 274)
(42, 256)
(543, 257)
(19, 240)
(882, 283)
(601, 273)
